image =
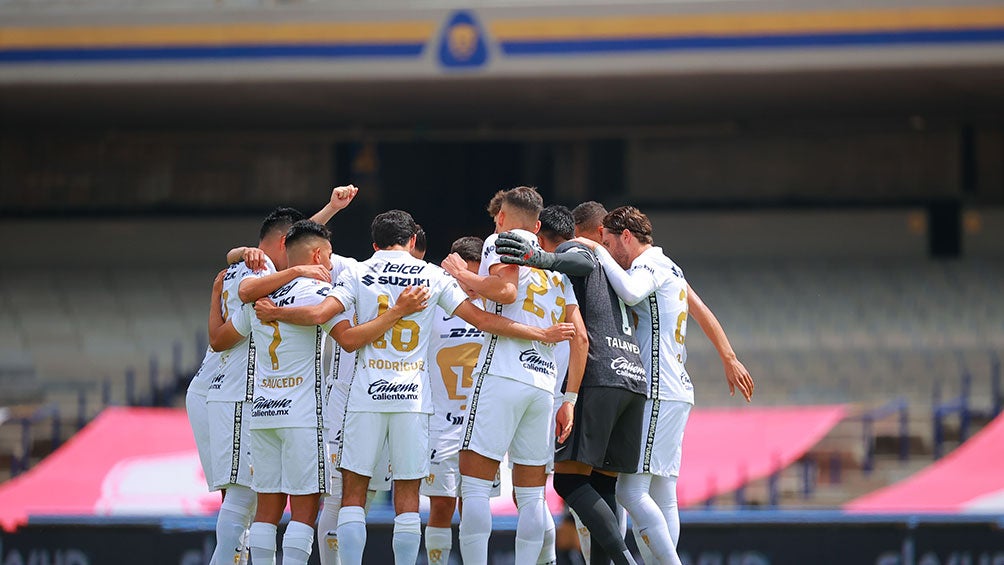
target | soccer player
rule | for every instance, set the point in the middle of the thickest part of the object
(654, 287)
(511, 406)
(607, 436)
(251, 275)
(421, 244)
(195, 397)
(287, 418)
(389, 398)
(454, 352)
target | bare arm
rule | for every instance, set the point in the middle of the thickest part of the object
(267, 311)
(341, 196)
(500, 285)
(578, 351)
(505, 327)
(253, 288)
(351, 338)
(735, 372)
(222, 335)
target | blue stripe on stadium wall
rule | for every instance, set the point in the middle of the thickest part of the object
(576, 46)
(126, 54)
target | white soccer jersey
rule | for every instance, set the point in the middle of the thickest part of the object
(235, 380)
(656, 290)
(392, 373)
(207, 370)
(453, 353)
(289, 382)
(541, 297)
(339, 376)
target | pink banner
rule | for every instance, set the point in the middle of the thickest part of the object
(131, 461)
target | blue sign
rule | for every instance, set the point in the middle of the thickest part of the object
(462, 43)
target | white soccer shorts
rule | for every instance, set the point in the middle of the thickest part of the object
(507, 415)
(230, 443)
(198, 418)
(406, 435)
(289, 460)
(662, 447)
(444, 469)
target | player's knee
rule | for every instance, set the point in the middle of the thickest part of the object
(567, 483)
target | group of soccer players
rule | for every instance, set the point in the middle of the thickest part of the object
(564, 354)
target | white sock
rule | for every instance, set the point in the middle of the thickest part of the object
(407, 537)
(529, 523)
(351, 534)
(261, 540)
(632, 493)
(235, 517)
(663, 491)
(475, 520)
(438, 543)
(297, 543)
(583, 532)
(327, 525)
(548, 555)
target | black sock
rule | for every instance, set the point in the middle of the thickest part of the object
(596, 515)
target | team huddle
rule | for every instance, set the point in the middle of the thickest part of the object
(557, 343)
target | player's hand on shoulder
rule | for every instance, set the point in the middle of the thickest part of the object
(317, 272)
(413, 299)
(254, 258)
(513, 249)
(218, 281)
(453, 264)
(559, 332)
(266, 310)
(738, 376)
(587, 242)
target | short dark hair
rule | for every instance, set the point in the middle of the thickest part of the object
(394, 227)
(524, 198)
(495, 204)
(556, 223)
(306, 229)
(468, 247)
(421, 244)
(631, 219)
(279, 220)
(589, 214)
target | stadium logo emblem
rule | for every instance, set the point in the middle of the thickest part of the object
(462, 43)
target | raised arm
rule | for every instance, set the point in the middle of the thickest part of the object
(498, 325)
(267, 311)
(341, 196)
(578, 352)
(253, 288)
(500, 285)
(735, 372)
(351, 338)
(514, 250)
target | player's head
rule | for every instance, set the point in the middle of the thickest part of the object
(394, 229)
(589, 220)
(420, 243)
(469, 249)
(556, 227)
(495, 204)
(626, 233)
(272, 236)
(520, 209)
(308, 243)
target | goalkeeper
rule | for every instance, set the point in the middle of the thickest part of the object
(606, 438)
